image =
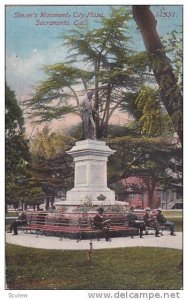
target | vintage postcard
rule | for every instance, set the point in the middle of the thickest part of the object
(94, 150)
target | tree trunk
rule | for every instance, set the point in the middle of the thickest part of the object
(6, 208)
(103, 131)
(15, 205)
(47, 203)
(96, 105)
(52, 203)
(25, 206)
(170, 92)
(150, 183)
(105, 118)
(150, 198)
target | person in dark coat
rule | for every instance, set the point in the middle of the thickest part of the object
(101, 223)
(151, 221)
(134, 222)
(22, 220)
(164, 222)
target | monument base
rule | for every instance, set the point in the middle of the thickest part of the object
(90, 176)
(95, 195)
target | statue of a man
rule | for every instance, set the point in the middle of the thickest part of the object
(87, 110)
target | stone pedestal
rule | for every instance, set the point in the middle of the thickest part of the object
(90, 177)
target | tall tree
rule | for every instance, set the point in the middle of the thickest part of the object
(16, 147)
(157, 161)
(109, 70)
(170, 91)
(51, 166)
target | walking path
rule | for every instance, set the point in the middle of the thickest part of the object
(47, 242)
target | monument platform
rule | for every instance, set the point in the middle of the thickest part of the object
(90, 175)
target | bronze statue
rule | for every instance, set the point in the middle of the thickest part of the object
(87, 110)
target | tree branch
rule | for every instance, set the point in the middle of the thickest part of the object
(132, 163)
(162, 69)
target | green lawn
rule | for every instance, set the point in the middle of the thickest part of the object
(172, 213)
(178, 223)
(125, 268)
(176, 217)
(12, 214)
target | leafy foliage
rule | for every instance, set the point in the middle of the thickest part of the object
(156, 161)
(109, 68)
(16, 146)
(173, 43)
(154, 121)
(51, 166)
(166, 78)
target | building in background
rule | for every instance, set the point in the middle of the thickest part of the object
(137, 195)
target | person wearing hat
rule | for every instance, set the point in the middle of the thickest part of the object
(101, 223)
(164, 222)
(87, 110)
(22, 220)
(151, 221)
(134, 222)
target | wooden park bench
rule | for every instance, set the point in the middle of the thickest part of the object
(80, 228)
(149, 229)
(118, 226)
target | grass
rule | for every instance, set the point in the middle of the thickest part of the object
(125, 268)
(172, 213)
(178, 223)
(12, 214)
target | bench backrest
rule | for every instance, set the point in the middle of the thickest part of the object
(77, 219)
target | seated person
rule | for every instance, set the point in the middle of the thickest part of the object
(22, 220)
(164, 222)
(134, 222)
(101, 223)
(151, 221)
